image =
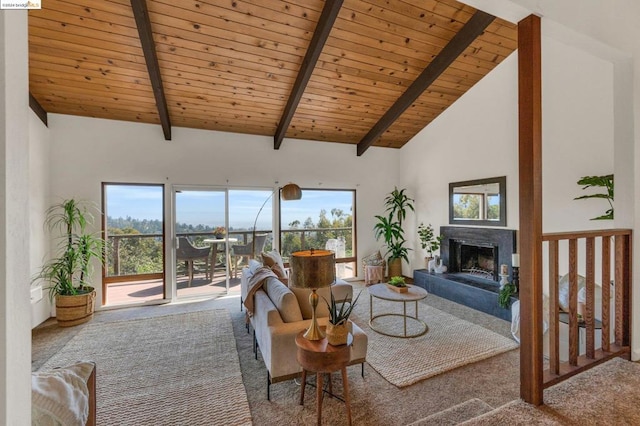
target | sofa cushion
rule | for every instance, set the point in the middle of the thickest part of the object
(302, 294)
(284, 300)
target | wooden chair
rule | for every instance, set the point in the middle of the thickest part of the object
(188, 253)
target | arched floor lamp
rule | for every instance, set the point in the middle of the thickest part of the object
(290, 192)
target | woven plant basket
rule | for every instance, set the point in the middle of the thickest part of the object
(74, 310)
(395, 268)
(337, 334)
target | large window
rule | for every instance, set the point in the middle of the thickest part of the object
(322, 219)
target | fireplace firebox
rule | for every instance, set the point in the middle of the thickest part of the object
(475, 260)
(477, 252)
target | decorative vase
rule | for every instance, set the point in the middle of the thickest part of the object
(219, 236)
(427, 262)
(395, 268)
(440, 268)
(431, 267)
(74, 310)
(337, 334)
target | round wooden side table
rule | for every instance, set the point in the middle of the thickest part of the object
(320, 357)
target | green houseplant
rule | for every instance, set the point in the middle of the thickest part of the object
(605, 182)
(504, 296)
(428, 241)
(397, 282)
(389, 228)
(68, 272)
(339, 313)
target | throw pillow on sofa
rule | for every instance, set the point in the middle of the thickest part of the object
(274, 261)
(563, 290)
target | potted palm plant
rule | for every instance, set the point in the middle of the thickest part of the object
(68, 272)
(389, 228)
(339, 313)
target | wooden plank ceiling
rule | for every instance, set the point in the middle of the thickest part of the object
(231, 65)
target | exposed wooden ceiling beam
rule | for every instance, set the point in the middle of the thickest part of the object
(37, 108)
(141, 14)
(471, 30)
(320, 35)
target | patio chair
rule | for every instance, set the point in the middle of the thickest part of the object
(241, 251)
(188, 253)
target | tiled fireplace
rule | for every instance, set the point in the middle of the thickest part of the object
(473, 257)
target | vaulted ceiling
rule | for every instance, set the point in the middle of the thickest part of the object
(365, 72)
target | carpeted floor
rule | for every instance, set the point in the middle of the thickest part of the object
(449, 343)
(374, 400)
(173, 369)
(608, 397)
(605, 395)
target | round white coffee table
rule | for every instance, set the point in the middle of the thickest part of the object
(414, 293)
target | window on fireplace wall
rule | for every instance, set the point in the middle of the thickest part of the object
(321, 219)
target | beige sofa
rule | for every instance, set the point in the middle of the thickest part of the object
(280, 313)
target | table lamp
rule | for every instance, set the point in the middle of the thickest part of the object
(312, 269)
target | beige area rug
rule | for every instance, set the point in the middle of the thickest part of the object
(174, 369)
(605, 395)
(450, 342)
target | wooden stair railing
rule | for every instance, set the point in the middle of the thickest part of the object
(582, 246)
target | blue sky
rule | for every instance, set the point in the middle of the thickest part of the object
(207, 207)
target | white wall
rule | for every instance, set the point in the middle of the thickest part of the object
(39, 151)
(478, 138)
(15, 332)
(474, 138)
(612, 24)
(86, 152)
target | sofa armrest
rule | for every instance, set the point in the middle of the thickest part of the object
(342, 291)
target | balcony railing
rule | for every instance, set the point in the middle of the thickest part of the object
(137, 255)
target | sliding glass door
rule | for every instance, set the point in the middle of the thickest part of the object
(133, 225)
(201, 241)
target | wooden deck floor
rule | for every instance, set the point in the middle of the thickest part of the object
(148, 291)
(136, 292)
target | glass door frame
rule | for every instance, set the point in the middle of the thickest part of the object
(104, 232)
(170, 249)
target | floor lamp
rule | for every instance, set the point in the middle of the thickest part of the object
(290, 191)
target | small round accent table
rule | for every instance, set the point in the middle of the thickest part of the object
(320, 357)
(382, 291)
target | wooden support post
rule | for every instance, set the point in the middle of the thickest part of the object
(530, 184)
